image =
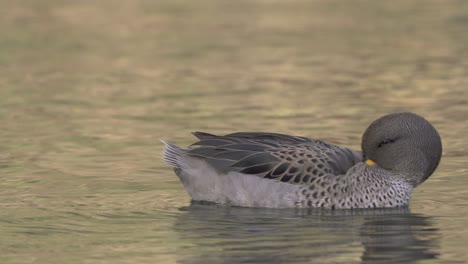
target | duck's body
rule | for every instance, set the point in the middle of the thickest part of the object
(277, 171)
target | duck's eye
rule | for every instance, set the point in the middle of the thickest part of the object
(386, 141)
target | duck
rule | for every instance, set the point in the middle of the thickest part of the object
(399, 151)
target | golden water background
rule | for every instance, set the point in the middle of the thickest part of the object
(87, 89)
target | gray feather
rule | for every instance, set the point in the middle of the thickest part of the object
(273, 156)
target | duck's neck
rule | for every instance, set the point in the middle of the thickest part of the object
(379, 187)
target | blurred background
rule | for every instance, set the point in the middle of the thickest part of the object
(87, 89)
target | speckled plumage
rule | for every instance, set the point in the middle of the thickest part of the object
(275, 170)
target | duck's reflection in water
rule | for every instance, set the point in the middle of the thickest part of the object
(398, 238)
(214, 234)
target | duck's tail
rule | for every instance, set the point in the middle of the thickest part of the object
(174, 155)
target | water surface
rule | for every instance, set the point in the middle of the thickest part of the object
(87, 88)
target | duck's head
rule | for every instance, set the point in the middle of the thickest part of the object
(403, 143)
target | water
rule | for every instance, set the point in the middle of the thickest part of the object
(88, 87)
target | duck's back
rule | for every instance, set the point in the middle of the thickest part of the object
(256, 169)
(273, 156)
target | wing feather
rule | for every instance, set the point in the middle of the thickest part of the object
(285, 158)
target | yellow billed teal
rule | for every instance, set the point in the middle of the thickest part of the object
(256, 169)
